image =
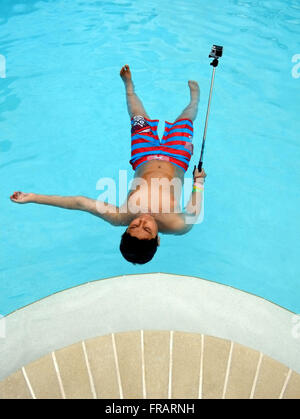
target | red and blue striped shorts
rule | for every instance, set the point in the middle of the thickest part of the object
(175, 146)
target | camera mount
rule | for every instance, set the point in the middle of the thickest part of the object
(215, 53)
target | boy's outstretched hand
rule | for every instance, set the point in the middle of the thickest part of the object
(21, 197)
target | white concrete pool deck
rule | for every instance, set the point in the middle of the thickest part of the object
(155, 301)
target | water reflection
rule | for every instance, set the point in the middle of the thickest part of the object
(5, 146)
(14, 161)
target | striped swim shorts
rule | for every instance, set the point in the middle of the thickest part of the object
(175, 146)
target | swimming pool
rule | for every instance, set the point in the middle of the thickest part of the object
(64, 125)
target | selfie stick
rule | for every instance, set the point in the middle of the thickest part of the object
(216, 53)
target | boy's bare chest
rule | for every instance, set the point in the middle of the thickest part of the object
(153, 198)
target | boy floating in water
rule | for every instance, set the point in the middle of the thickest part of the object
(159, 165)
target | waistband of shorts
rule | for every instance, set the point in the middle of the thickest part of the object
(145, 159)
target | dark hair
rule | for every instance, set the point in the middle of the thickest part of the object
(136, 250)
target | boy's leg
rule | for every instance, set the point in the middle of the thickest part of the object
(134, 104)
(190, 112)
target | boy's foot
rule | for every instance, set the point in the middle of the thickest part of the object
(194, 90)
(125, 73)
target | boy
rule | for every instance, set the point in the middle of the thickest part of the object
(159, 165)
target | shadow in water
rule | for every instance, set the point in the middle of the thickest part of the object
(9, 101)
(11, 8)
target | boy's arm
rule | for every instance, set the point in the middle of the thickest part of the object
(194, 205)
(107, 212)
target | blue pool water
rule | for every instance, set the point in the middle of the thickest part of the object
(64, 125)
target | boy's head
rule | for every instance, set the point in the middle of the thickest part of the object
(140, 240)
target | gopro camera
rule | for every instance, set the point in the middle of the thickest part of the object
(216, 52)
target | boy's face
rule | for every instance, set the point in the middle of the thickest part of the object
(143, 227)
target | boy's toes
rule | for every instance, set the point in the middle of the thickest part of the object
(193, 84)
(125, 73)
(124, 68)
(194, 88)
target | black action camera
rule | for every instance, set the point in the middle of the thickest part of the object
(216, 52)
